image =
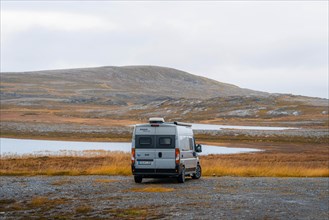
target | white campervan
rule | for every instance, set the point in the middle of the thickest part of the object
(161, 149)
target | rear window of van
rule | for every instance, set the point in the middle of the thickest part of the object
(165, 142)
(144, 142)
(155, 141)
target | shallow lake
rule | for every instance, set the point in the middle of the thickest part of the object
(219, 127)
(21, 147)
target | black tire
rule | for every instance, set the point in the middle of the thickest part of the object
(181, 177)
(138, 179)
(197, 173)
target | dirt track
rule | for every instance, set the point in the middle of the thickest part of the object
(207, 198)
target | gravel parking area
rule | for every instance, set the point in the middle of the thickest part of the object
(207, 198)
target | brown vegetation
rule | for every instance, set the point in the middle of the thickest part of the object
(114, 164)
(277, 160)
(45, 202)
(83, 209)
(290, 160)
(133, 213)
(264, 164)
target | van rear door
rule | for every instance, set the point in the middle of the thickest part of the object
(165, 152)
(165, 147)
(145, 147)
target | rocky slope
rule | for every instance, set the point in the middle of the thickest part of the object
(115, 85)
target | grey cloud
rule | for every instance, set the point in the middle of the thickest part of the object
(251, 44)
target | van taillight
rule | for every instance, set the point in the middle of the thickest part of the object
(177, 156)
(133, 155)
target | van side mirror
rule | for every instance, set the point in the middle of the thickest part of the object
(198, 148)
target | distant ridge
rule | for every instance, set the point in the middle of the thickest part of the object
(122, 84)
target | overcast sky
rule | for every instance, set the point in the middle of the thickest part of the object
(271, 46)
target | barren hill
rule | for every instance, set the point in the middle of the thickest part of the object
(116, 85)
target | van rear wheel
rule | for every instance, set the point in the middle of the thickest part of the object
(138, 179)
(181, 177)
(197, 173)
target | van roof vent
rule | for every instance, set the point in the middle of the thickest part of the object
(156, 120)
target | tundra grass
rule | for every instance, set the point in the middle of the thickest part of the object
(83, 209)
(276, 161)
(134, 213)
(45, 202)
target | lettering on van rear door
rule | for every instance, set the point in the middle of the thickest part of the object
(144, 130)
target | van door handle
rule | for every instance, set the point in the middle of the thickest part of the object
(160, 154)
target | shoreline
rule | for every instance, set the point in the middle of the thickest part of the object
(203, 137)
(284, 154)
(276, 160)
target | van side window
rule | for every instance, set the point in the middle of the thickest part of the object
(191, 142)
(185, 144)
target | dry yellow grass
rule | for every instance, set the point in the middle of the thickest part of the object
(294, 160)
(39, 201)
(264, 171)
(152, 189)
(44, 202)
(117, 163)
(135, 213)
(83, 209)
(277, 161)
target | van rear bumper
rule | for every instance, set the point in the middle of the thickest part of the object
(157, 172)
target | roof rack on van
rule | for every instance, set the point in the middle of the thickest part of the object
(156, 121)
(182, 124)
